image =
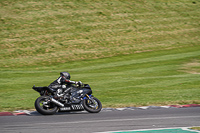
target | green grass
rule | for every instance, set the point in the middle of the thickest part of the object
(132, 53)
(195, 128)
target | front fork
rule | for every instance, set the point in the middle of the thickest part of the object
(87, 96)
(93, 103)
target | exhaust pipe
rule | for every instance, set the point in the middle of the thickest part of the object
(56, 102)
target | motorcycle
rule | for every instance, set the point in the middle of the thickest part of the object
(73, 98)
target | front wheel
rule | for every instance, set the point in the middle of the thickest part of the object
(92, 105)
(44, 106)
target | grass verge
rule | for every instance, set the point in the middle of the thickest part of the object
(152, 78)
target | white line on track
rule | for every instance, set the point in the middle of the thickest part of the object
(120, 120)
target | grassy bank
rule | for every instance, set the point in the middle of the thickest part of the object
(132, 53)
(154, 78)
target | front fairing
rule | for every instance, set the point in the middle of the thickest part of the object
(87, 91)
(82, 90)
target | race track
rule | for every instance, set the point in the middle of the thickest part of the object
(84, 122)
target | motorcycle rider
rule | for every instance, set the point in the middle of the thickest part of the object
(64, 84)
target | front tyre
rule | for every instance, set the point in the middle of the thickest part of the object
(92, 105)
(44, 106)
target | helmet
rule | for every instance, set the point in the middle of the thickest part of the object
(65, 74)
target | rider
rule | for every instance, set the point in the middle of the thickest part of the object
(62, 83)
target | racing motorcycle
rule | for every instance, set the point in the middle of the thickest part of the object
(73, 98)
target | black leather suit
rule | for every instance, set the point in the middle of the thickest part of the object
(60, 83)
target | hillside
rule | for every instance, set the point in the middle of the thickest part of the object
(55, 31)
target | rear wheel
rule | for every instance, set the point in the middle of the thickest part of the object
(44, 106)
(92, 105)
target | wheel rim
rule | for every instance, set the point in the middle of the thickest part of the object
(46, 105)
(92, 104)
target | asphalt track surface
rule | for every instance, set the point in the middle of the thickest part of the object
(83, 122)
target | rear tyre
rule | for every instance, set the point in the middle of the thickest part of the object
(44, 106)
(92, 105)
